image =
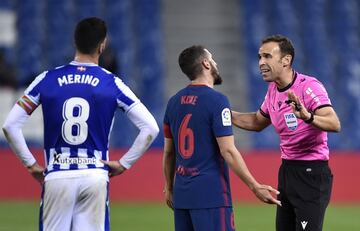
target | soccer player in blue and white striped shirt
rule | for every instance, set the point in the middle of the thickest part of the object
(78, 103)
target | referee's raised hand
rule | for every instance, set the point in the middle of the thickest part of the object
(298, 108)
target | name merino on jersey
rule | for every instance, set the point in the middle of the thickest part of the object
(77, 122)
(84, 79)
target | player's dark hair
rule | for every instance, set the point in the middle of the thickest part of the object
(285, 45)
(89, 33)
(190, 60)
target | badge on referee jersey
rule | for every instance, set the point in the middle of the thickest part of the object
(291, 121)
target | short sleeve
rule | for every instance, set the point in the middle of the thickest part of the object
(167, 130)
(221, 120)
(264, 109)
(33, 91)
(125, 97)
(315, 95)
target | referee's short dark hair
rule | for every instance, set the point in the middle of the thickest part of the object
(89, 33)
(285, 45)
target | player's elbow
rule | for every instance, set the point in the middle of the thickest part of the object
(6, 128)
(334, 125)
(227, 153)
(153, 130)
(257, 126)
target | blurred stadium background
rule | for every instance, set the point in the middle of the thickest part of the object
(146, 37)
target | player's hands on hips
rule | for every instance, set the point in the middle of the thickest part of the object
(115, 167)
(37, 172)
(264, 193)
(298, 108)
(169, 198)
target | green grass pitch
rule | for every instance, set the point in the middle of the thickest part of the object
(16, 216)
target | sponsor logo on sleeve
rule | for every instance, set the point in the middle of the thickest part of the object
(226, 117)
(310, 92)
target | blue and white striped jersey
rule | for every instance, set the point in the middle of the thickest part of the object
(78, 103)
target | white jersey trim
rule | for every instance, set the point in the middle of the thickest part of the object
(76, 63)
(36, 81)
(77, 173)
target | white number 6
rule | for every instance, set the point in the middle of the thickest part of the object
(78, 134)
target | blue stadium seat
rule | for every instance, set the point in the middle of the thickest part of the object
(149, 57)
(31, 37)
(60, 26)
(326, 45)
(6, 4)
(45, 40)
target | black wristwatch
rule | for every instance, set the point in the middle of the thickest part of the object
(311, 119)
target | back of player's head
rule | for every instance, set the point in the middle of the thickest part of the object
(190, 60)
(285, 45)
(89, 33)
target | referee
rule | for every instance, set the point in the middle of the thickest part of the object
(300, 110)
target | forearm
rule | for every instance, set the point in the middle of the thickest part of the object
(326, 123)
(137, 149)
(13, 133)
(237, 164)
(246, 120)
(169, 170)
(147, 125)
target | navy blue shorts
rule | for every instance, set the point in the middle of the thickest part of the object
(212, 219)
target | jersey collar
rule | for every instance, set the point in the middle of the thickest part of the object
(290, 85)
(83, 64)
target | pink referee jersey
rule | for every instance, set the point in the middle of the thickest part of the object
(298, 140)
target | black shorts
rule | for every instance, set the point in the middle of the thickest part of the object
(305, 189)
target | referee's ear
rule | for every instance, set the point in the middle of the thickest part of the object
(286, 60)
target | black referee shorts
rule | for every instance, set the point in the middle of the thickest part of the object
(305, 189)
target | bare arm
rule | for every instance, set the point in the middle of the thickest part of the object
(324, 118)
(169, 170)
(251, 121)
(237, 164)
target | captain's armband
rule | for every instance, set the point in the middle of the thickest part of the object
(27, 104)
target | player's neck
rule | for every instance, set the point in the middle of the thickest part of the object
(202, 80)
(85, 58)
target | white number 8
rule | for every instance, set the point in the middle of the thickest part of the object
(79, 120)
